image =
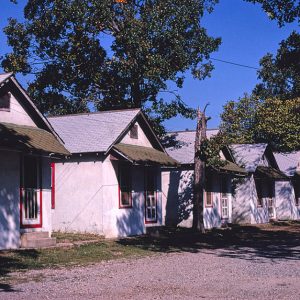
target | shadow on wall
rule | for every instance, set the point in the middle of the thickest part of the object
(9, 219)
(131, 222)
(241, 202)
(284, 197)
(179, 205)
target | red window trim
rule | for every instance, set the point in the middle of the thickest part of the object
(40, 225)
(156, 219)
(119, 192)
(205, 200)
(52, 185)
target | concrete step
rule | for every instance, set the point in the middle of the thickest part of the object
(37, 240)
(35, 235)
(39, 243)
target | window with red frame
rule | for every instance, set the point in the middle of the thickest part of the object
(125, 185)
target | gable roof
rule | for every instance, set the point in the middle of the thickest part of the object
(97, 132)
(180, 145)
(10, 83)
(248, 155)
(5, 76)
(288, 162)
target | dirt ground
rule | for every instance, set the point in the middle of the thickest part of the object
(254, 262)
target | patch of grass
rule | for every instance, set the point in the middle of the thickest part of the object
(67, 237)
(19, 260)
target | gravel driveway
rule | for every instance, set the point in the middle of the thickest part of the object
(211, 274)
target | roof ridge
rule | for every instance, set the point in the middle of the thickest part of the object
(94, 113)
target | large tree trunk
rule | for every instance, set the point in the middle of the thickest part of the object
(199, 174)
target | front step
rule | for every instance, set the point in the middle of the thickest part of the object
(37, 240)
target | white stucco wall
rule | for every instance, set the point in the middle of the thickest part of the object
(17, 114)
(177, 193)
(244, 205)
(142, 138)
(87, 199)
(78, 194)
(286, 208)
(9, 200)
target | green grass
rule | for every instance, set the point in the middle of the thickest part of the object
(19, 260)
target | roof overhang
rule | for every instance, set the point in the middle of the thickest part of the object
(29, 139)
(263, 172)
(231, 168)
(140, 155)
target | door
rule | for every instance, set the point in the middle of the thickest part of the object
(150, 196)
(271, 208)
(30, 193)
(225, 192)
(270, 199)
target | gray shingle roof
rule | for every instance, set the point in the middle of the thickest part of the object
(92, 132)
(287, 162)
(248, 155)
(180, 145)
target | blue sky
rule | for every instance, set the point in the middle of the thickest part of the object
(247, 35)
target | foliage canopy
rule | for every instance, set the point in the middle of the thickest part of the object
(104, 54)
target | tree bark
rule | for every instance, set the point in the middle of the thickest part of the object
(199, 174)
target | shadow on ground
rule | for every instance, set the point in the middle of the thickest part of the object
(9, 263)
(279, 241)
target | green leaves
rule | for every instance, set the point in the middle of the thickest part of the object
(286, 11)
(92, 54)
(280, 75)
(271, 121)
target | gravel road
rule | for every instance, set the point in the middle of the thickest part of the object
(210, 274)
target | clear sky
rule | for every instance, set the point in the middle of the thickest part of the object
(247, 35)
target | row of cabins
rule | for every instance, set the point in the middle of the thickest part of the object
(107, 173)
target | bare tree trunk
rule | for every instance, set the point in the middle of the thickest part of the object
(199, 174)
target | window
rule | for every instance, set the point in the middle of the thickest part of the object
(209, 191)
(296, 185)
(151, 197)
(5, 102)
(225, 190)
(134, 132)
(125, 195)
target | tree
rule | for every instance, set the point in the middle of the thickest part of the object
(280, 75)
(272, 121)
(199, 173)
(104, 54)
(286, 11)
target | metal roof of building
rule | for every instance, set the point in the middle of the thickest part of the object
(92, 132)
(180, 144)
(287, 162)
(249, 156)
